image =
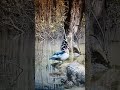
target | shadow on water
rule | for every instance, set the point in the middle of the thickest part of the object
(107, 79)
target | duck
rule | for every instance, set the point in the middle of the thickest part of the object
(61, 55)
(76, 52)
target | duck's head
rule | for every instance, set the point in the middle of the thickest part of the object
(64, 45)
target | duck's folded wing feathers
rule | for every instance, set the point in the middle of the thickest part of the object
(58, 53)
(54, 58)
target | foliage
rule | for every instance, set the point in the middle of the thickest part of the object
(49, 14)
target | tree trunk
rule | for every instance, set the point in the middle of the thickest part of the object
(73, 20)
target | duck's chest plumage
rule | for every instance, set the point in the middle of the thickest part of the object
(64, 56)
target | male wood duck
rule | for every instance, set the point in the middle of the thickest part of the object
(76, 52)
(61, 55)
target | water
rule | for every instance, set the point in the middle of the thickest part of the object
(43, 79)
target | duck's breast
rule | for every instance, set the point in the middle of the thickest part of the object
(64, 56)
(76, 54)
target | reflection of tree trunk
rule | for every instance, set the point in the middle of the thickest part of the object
(73, 20)
(99, 30)
(94, 9)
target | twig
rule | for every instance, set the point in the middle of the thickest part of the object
(15, 26)
(49, 35)
(97, 40)
(77, 40)
(18, 74)
(98, 24)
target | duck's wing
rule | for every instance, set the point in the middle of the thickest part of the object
(59, 53)
(54, 58)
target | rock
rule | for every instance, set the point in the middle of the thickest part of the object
(75, 73)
